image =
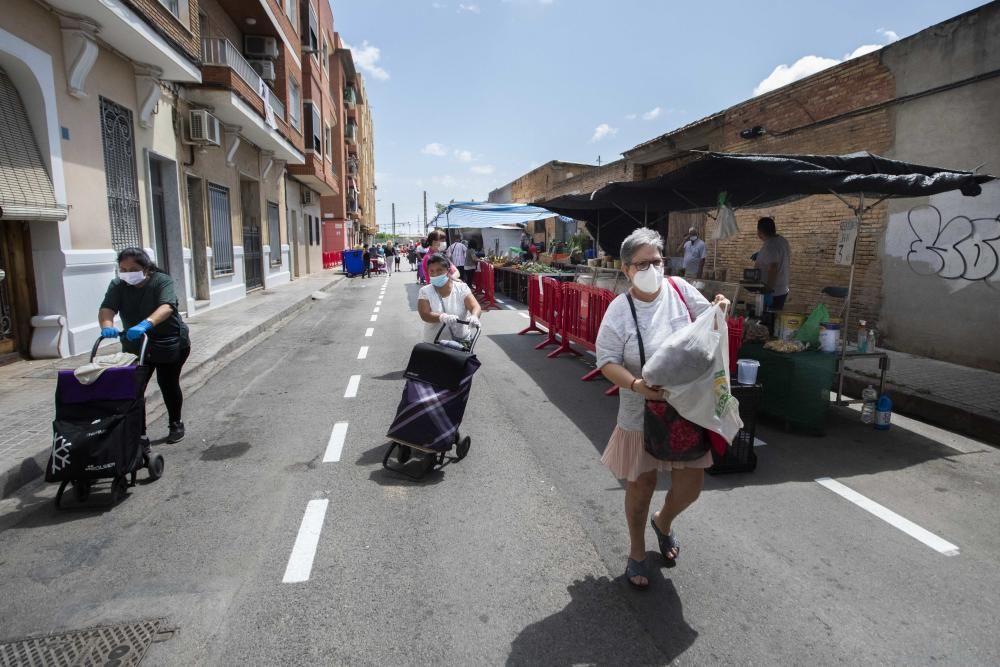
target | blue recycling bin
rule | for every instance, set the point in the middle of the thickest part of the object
(354, 262)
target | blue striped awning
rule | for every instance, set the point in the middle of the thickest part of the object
(460, 215)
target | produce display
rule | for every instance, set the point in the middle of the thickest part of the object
(786, 346)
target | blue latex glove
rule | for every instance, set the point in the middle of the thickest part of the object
(109, 332)
(136, 332)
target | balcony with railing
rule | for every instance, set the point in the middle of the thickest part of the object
(350, 97)
(351, 133)
(227, 73)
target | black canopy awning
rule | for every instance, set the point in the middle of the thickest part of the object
(755, 180)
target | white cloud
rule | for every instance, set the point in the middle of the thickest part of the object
(889, 35)
(602, 131)
(447, 181)
(439, 5)
(786, 74)
(366, 58)
(472, 8)
(483, 169)
(652, 114)
(809, 65)
(463, 155)
(435, 149)
(631, 116)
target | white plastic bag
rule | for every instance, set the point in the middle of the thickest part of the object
(705, 400)
(685, 355)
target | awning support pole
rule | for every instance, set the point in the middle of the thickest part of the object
(859, 212)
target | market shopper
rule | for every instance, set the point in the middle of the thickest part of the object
(143, 296)
(471, 263)
(694, 254)
(411, 256)
(396, 256)
(367, 259)
(457, 253)
(446, 300)
(774, 259)
(660, 309)
(422, 249)
(437, 243)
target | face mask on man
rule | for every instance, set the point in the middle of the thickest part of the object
(648, 280)
(439, 281)
(132, 277)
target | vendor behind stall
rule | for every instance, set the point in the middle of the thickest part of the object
(774, 259)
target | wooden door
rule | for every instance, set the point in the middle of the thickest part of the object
(17, 289)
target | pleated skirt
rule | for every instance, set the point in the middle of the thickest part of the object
(626, 457)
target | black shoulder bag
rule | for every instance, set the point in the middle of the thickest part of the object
(666, 435)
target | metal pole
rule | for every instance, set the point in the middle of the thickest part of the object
(394, 222)
(425, 209)
(860, 213)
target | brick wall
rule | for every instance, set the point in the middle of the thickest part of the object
(187, 38)
(808, 117)
(536, 184)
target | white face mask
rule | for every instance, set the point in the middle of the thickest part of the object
(132, 277)
(442, 245)
(649, 280)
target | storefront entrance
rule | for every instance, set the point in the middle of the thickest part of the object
(17, 290)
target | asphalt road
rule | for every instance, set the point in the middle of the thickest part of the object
(514, 555)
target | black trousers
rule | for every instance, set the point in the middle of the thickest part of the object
(168, 377)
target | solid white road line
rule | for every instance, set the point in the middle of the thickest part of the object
(336, 444)
(498, 301)
(301, 561)
(352, 386)
(890, 517)
(369, 331)
(374, 318)
(524, 315)
(509, 307)
(363, 352)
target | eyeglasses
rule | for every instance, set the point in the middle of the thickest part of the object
(642, 266)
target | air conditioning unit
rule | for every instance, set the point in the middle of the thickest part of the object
(259, 46)
(264, 68)
(307, 196)
(204, 128)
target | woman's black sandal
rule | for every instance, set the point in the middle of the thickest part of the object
(667, 542)
(636, 568)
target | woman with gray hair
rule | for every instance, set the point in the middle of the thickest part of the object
(650, 311)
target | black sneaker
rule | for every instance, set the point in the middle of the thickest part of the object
(176, 432)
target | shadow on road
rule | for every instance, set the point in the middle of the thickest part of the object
(849, 447)
(588, 632)
(412, 290)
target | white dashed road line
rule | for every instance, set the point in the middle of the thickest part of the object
(336, 444)
(352, 386)
(369, 331)
(363, 352)
(913, 530)
(509, 307)
(376, 309)
(301, 561)
(499, 301)
(374, 318)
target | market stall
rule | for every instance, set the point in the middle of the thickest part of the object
(860, 180)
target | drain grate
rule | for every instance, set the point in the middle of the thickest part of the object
(105, 645)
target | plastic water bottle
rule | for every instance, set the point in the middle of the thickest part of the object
(869, 396)
(883, 413)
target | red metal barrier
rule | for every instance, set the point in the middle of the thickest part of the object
(574, 319)
(487, 300)
(735, 325)
(477, 278)
(332, 259)
(600, 299)
(544, 304)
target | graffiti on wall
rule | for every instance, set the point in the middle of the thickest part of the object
(962, 248)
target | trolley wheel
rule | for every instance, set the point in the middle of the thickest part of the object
(81, 489)
(119, 487)
(462, 448)
(156, 467)
(59, 494)
(430, 461)
(404, 454)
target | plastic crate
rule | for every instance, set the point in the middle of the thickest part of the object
(740, 456)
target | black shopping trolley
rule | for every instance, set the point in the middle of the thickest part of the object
(439, 377)
(99, 431)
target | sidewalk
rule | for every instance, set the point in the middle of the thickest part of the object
(957, 398)
(27, 388)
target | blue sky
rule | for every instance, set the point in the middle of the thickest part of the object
(466, 96)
